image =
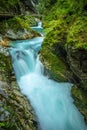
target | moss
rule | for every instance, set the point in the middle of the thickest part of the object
(77, 35)
(65, 9)
(80, 96)
(29, 19)
(15, 23)
(20, 111)
(53, 64)
(5, 67)
(66, 26)
(56, 33)
(9, 6)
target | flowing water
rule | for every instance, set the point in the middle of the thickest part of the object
(51, 101)
(38, 28)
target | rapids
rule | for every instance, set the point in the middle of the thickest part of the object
(51, 100)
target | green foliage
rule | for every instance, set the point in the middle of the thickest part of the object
(57, 32)
(15, 23)
(65, 9)
(55, 66)
(29, 19)
(77, 34)
(5, 67)
(8, 5)
(66, 22)
(20, 22)
(7, 125)
(80, 96)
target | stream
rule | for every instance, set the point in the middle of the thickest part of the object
(51, 100)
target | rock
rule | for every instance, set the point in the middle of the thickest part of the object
(55, 68)
(66, 51)
(80, 100)
(4, 42)
(21, 34)
(15, 110)
(10, 9)
(77, 60)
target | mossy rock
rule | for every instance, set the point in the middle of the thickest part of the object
(17, 29)
(16, 111)
(15, 23)
(5, 68)
(55, 66)
(80, 100)
(56, 32)
(77, 34)
(55, 36)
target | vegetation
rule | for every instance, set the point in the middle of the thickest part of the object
(54, 65)
(77, 34)
(65, 23)
(5, 68)
(80, 100)
(73, 16)
(9, 5)
(15, 23)
(56, 32)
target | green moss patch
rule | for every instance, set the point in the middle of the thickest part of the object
(80, 97)
(77, 35)
(15, 23)
(5, 68)
(56, 33)
(53, 64)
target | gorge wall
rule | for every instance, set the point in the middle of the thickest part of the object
(64, 54)
(15, 110)
(64, 51)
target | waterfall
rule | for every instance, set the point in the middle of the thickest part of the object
(51, 101)
(38, 28)
(40, 24)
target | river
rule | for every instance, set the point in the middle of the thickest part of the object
(51, 100)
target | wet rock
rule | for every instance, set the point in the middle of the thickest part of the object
(77, 60)
(80, 100)
(21, 35)
(15, 110)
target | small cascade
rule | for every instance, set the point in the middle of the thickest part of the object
(40, 25)
(21, 63)
(38, 28)
(39, 69)
(51, 101)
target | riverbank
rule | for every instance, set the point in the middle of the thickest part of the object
(16, 111)
(64, 51)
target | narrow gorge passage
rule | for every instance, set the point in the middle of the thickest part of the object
(51, 101)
